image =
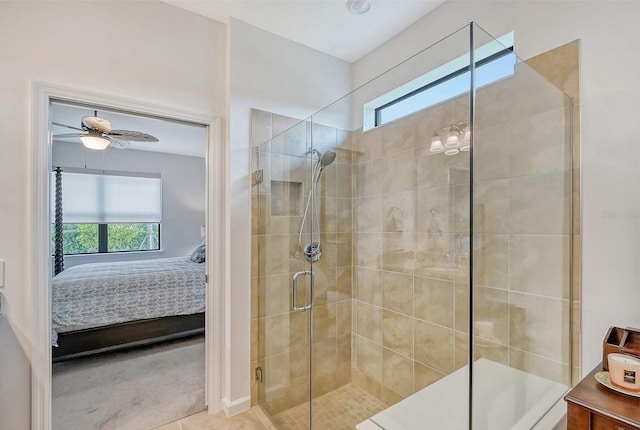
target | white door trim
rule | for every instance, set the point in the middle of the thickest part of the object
(39, 240)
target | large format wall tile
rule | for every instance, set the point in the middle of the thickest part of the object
(539, 325)
(491, 265)
(433, 300)
(397, 172)
(397, 373)
(493, 104)
(538, 144)
(397, 333)
(433, 346)
(491, 206)
(369, 322)
(398, 292)
(540, 265)
(397, 136)
(369, 358)
(369, 288)
(491, 152)
(539, 204)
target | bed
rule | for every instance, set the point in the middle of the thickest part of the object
(108, 306)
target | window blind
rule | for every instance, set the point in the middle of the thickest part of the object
(111, 197)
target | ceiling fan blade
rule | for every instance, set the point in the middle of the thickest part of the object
(97, 123)
(65, 135)
(117, 143)
(132, 136)
(68, 126)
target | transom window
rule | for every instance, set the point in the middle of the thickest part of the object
(496, 61)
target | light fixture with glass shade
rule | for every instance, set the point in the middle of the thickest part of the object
(95, 140)
(452, 138)
(436, 143)
(457, 138)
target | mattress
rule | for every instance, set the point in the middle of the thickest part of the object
(102, 294)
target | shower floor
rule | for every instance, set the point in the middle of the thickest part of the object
(340, 409)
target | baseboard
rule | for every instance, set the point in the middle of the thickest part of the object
(240, 405)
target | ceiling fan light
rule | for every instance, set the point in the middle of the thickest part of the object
(95, 142)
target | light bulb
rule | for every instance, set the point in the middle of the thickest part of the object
(436, 144)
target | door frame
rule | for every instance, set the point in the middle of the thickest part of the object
(39, 241)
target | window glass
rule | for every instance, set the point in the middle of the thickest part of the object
(133, 237)
(498, 66)
(80, 238)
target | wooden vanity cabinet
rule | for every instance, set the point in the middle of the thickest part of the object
(591, 406)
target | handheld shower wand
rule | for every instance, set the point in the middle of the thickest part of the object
(312, 250)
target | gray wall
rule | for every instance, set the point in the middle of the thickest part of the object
(183, 195)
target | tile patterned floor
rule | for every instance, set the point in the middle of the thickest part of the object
(340, 409)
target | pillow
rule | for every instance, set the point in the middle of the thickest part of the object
(198, 256)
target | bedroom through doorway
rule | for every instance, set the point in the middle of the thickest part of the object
(128, 222)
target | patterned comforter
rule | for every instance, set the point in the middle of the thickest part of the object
(100, 294)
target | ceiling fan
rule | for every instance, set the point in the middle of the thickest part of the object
(97, 134)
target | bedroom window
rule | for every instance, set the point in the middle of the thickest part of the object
(106, 211)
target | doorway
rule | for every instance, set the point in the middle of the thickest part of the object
(41, 239)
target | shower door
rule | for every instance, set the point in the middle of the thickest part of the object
(301, 275)
(282, 278)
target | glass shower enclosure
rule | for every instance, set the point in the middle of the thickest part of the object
(411, 248)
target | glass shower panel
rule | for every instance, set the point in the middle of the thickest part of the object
(430, 252)
(411, 236)
(521, 246)
(282, 180)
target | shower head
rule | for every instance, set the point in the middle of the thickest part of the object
(327, 158)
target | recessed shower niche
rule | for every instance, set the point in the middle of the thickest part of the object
(286, 198)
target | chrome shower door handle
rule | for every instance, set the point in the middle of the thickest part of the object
(294, 292)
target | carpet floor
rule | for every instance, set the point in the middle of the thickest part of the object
(136, 390)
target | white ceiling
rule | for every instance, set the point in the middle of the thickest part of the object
(174, 137)
(325, 25)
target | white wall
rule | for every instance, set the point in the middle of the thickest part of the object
(148, 51)
(274, 74)
(183, 196)
(609, 89)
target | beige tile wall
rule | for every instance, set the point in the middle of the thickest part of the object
(411, 220)
(412, 232)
